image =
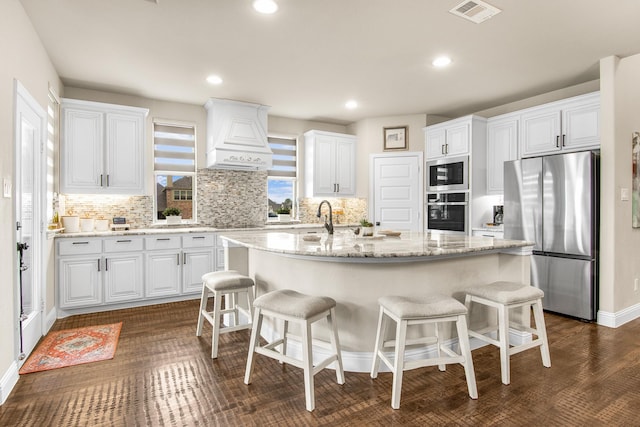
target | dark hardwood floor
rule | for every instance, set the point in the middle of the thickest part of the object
(162, 374)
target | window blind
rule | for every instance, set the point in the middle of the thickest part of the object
(284, 157)
(174, 148)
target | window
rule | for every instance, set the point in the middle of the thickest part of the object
(53, 135)
(174, 148)
(282, 177)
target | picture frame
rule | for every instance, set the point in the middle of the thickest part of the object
(395, 138)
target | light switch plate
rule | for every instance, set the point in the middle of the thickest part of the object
(624, 194)
(6, 188)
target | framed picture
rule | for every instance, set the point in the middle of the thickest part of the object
(395, 138)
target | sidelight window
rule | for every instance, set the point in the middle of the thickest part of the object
(282, 178)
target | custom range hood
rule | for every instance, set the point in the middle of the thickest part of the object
(237, 135)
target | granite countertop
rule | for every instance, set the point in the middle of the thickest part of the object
(345, 244)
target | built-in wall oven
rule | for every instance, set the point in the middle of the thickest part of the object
(448, 174)
(447, 212)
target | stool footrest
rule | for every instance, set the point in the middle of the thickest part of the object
(412, 341)
(526, 346)
(484, 338)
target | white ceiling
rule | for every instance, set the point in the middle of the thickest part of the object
(312, 56)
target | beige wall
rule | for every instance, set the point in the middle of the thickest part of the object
(620, 243)
(23, 58)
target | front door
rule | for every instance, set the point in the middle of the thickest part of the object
(397, 191)
(29, 190)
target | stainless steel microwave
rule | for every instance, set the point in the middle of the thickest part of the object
(448, 174)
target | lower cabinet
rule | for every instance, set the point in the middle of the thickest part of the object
(96, 272)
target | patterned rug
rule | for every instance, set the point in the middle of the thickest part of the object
(74, 347)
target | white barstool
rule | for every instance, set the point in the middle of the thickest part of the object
(292, 306)
(228, 284)
(409, 311)
(504, 296)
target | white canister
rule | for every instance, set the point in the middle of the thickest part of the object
(71, 224)
(86, 224)
(102, 225)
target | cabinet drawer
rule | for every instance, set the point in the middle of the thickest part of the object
(162, 242)
(198, 240)
(123, 244)
(79, 246)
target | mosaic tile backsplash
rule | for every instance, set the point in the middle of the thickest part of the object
(226, 199)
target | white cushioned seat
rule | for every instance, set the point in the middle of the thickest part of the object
(230, 279)
(422, 306)
(294, 304)
(506, 292)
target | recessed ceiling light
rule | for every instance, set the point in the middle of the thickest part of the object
(351, 104)
(441, 61)
(214, 80)
(265, 6)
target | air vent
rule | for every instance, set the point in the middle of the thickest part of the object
(475, 11)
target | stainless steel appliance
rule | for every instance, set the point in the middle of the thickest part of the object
(554, 202)
(448, 174)
(447, 212)
(498, 214)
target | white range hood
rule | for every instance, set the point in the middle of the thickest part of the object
(237, 135)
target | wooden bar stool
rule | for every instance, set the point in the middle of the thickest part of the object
(409, 311)
(504, 296)
(292, 306)
(228, 284)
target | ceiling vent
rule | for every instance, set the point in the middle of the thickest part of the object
(475, 11)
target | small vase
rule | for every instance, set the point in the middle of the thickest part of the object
(367, 231)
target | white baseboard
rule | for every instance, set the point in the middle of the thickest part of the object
(614, 320)
(50, 320)
(8, 381)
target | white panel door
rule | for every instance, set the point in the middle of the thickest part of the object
(344, 170)
(162, 276)
(125, 155)
(123, 277)
(457, 140)
(195, 265)
(397, 191)
(80, 280)
(540, 131)
(82, 153)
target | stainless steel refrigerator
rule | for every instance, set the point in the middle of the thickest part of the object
(553, 201)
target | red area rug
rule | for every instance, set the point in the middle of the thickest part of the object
(74, 347)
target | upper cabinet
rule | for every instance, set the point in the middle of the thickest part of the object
(102, 149)
(451, 138)
(502, 146)
(568, 125)
(329, 164)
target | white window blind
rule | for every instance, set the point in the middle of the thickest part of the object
(284, 157)
(174, 148)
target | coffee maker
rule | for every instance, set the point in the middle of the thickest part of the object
(497, 214)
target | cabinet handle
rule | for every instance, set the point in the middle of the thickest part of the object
(338, 186)
(446, 148)
(557, 141)
(442, 149)
(198, 237)
(106, 264)
(123, 241)
(107, 180)
(98, 264)
(80, 243)
(184, 258)
(178, 259)
(563, 135)
(164, 238)
(100, 180)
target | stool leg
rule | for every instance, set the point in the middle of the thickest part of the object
(398, 368)
(442, 367)
(250, 304)
(216, 324)
(203, 307)
(382, 326)
(255, 336)
(335, 345)
(307, 361)
(234, 306)
(465, 351)
(503, 331)
(285, 331)
(542, 333)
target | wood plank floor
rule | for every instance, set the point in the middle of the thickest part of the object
(162, 374)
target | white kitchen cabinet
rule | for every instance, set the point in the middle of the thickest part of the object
(329, 164)
(79, 273)
(198, 258)
(102, 148)
(502, 146)
(568, 125)
(163, 262)
(451, 138)
(123, 269)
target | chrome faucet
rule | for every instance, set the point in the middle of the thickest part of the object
(327, 225)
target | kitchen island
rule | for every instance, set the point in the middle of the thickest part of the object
(356, 271)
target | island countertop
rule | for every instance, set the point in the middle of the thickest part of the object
(380, 248)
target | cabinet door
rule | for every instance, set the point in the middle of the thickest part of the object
(581, 126)
(79, 282)
(195, 264)
(502, 146)
(125, 153)
(162, 276)
(82, 151)
(435, 140)
(123, 278)
(345, 167)
(540, 131)
(457, 140)
(324, 168)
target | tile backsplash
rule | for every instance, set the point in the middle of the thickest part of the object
(226, 199)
